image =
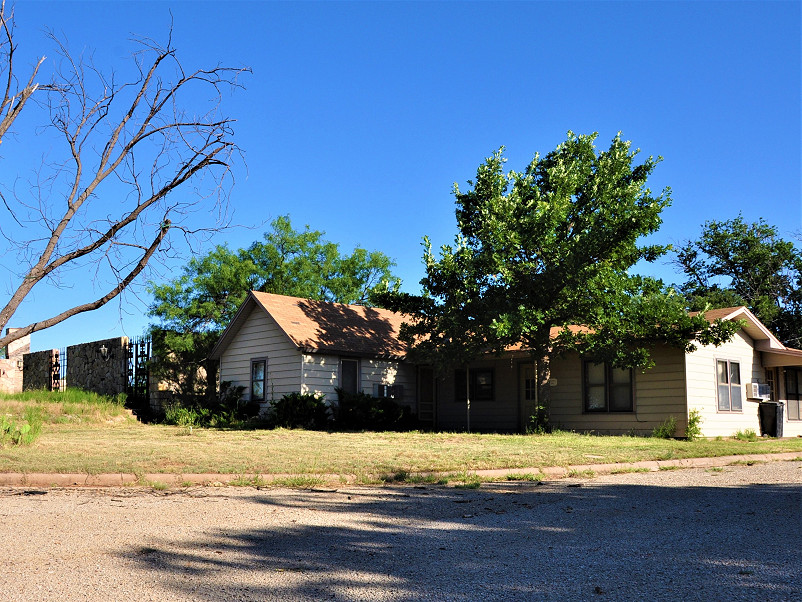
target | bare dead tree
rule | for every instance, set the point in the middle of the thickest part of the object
(110, 202)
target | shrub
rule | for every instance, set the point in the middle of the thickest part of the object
(182, 416)
(694, 430)
(360, 411)
(538, 424)
(300, 410)
(225, 411)
(666, 429)
(20, 434)
(746, 435)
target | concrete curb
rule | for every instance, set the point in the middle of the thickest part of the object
(15, 479)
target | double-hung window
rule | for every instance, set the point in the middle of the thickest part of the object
(258, 374)
(482, 387)
(728, 379)
(607, 389)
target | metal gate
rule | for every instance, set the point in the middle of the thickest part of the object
(58, 372)
(139, 353)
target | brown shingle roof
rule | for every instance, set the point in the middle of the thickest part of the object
(718, 314)
(324, 326)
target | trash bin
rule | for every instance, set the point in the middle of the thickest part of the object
(771, 418)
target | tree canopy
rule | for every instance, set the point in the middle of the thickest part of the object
(551, 248)
(286, 262)
(737, 263)
(193, 309)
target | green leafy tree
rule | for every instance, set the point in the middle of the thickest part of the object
(737, 263)
(542, 251)
(192, 310)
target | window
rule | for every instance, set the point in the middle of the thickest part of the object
(258, 369)
(482, 388)
(349, 375)
(529, 384)
(389, 391)
(728, 377)
(793, 393)
(772, 383)
(607, 389)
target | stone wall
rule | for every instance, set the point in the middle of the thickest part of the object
(10, 376)
(99, 366)
(37, 369)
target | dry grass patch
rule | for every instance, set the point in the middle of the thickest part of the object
(130, 447)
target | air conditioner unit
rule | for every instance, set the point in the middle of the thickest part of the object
(758, 391)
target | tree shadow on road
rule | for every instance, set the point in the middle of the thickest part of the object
(500, 542)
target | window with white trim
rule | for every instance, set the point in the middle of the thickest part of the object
(772, 383)
(730, 392)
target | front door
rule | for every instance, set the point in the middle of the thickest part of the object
(426, 395)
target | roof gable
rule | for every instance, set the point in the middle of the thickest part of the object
(763, 337)
(322, 326)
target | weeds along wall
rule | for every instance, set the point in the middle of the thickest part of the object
(99, 366)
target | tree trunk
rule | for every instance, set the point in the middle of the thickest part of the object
(541, 358)
(543, 403)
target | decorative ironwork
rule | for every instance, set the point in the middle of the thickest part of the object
(58, 373)
(55, 373)
(138, 354)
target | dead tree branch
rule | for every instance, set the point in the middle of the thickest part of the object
(98, 196)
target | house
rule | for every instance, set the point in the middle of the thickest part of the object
(277, 345)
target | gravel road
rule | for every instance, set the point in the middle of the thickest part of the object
(697, 534)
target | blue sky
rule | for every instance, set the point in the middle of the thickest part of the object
(359, 117)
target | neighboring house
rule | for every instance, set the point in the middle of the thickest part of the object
(277, 345)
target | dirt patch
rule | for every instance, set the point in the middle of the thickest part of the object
(689, 534)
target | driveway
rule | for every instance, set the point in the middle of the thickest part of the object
(732, 533)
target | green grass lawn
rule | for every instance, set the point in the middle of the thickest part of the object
(92, 435)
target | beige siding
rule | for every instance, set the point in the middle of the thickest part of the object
(702, 387)
(499, 415)
(388, 372)
(260, 337)
(321, 375)
(659, 393)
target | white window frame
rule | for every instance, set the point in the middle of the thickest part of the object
(730, 386)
